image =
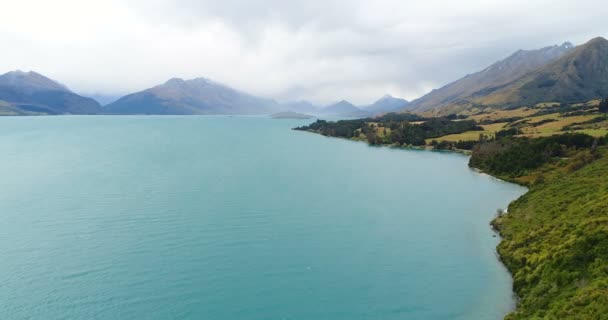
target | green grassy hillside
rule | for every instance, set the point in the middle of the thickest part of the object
(555, 242)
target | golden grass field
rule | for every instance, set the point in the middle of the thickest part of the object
(530, 125)
(502, 114)
(489, 131)
(555, 127)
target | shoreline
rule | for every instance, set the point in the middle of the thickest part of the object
(491, 223)
(394, 146)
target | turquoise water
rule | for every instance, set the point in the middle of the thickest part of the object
(239, 218)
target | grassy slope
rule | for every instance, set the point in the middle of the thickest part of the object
(488, 130)
(555, 242)
(555, 126)
(530, 124)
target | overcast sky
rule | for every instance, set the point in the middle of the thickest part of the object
(320, 50)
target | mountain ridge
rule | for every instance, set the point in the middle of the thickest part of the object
(386, 104)
(188, 97)
(344, 108)
(499, 74)
(26, 93)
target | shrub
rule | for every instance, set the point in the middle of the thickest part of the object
(604, 106)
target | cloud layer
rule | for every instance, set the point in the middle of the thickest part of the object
(317, 50)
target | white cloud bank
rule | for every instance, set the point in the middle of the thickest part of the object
(321, 50)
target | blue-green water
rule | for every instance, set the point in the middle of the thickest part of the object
(239, 218)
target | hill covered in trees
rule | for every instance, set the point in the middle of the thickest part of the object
(555, 237)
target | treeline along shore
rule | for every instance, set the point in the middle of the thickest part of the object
(555, 237)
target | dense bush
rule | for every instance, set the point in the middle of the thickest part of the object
(555, 243)
(399, 117)
(604, 106)
(449, 145)
(402, 132)
(507, 133)
(342, 128)
(514, 156)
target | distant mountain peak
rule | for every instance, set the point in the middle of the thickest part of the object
(559, 73)
(474, 87)
(387, 103)
(194, 96)
(201, 80)
(175, 82)
(30, 81)
(597, 40)
(182, 83)
(344, 108)
(32, 93)
(21, 73)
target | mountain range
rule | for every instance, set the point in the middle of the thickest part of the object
(563, 74)
(553, 74)
(30, 93)
(383, 105)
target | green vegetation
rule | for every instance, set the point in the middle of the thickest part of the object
(489, 131)
(603, 107)
(462, 131)
(511, 157)
(555, 240)
(394, 129)
(542, 120)
(555, 237)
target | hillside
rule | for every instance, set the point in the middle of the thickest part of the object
(580, 75)
(555, 237)
(463, 92)
(186, 97)
(555, 242)
(30, 93)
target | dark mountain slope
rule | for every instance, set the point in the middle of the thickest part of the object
(465, 91)
(196, 96)
(344, 108)
(23, 93)
(386, 104)
(581, 75)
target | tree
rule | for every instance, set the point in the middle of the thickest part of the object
(371, 138)
(604, 106)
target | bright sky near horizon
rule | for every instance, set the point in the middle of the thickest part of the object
(319, 50)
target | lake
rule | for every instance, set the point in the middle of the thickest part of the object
(212, 217)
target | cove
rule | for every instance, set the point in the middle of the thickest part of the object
(213, 217)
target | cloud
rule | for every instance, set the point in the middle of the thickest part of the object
(318, 50)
